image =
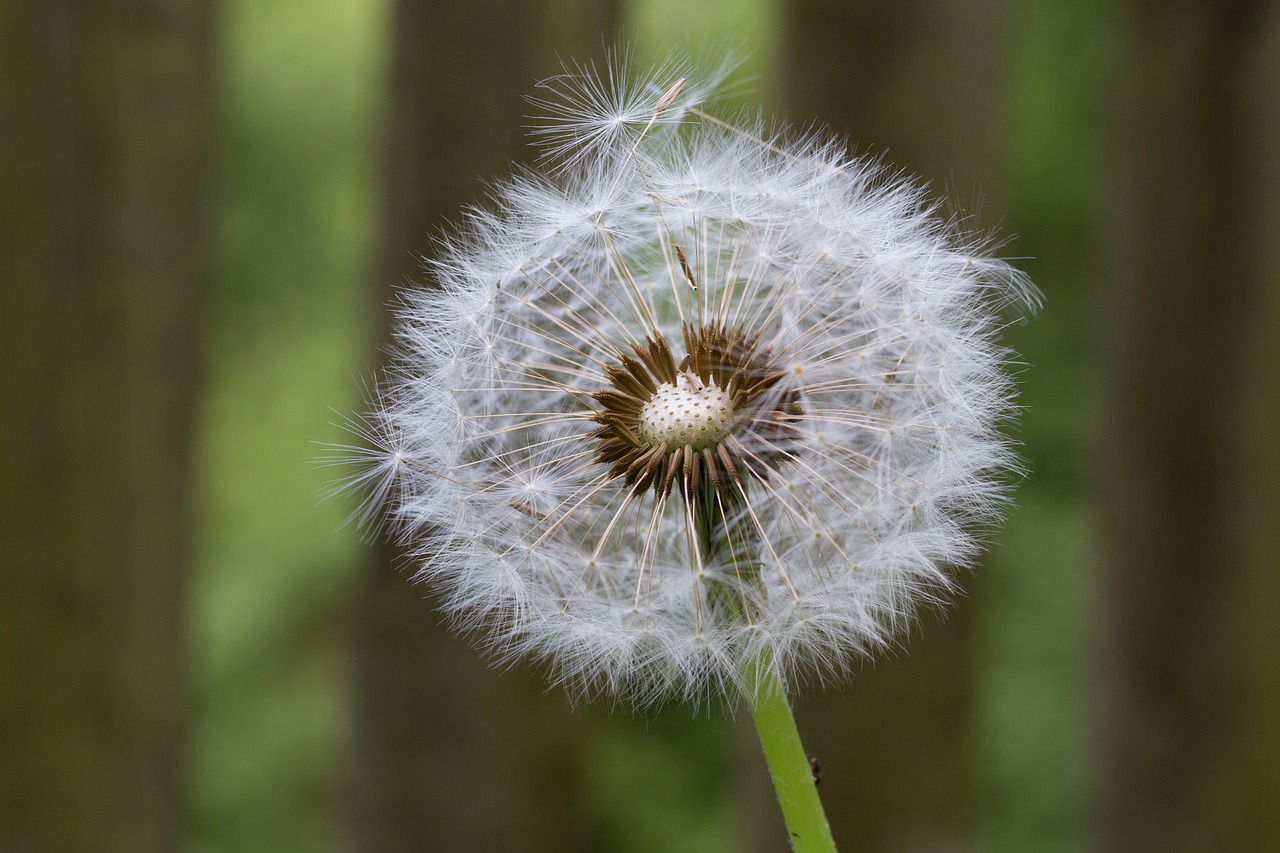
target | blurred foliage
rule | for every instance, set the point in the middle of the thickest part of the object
(296, 213)
(1036, 685)
(300, 99)
(667, 782)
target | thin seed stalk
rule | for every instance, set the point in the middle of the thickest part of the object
(727, 540)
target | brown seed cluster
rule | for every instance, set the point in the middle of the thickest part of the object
(719, 413)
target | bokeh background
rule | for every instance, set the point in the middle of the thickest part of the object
(205, 206)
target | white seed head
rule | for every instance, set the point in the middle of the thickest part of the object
(705, 394)
(687, 412)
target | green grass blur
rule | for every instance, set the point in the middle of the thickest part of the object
(301, 84)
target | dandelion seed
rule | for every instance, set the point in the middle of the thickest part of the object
(670, 97)
(704, 396)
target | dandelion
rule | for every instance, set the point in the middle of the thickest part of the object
(703, 409)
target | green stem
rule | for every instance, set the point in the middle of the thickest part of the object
(788, 764)
(725, 537)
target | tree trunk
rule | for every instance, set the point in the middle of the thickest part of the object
(917, 81)
(1190, 756)
(104, 129)
(451, 754)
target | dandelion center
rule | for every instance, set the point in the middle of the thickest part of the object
(721, 412)
(689, 412)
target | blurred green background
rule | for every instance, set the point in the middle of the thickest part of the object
(303, 104)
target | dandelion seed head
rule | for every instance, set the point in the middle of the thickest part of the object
(697, 394)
